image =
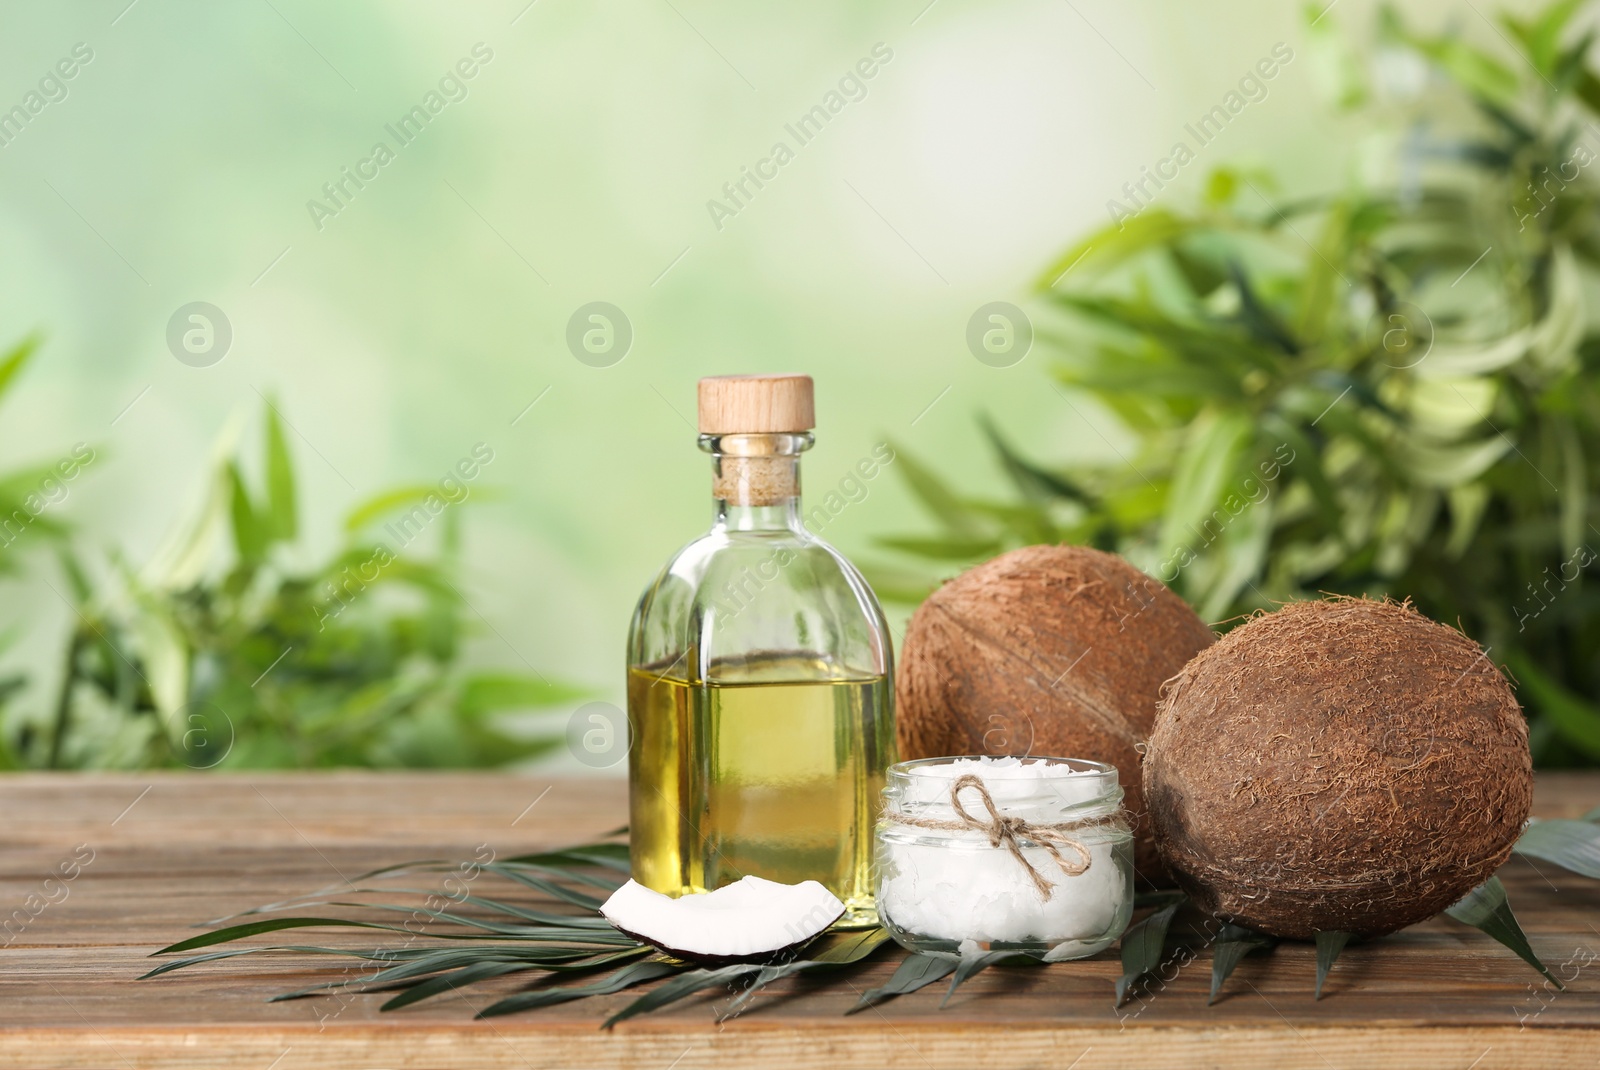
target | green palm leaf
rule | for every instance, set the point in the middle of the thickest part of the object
(1144, 945)
(916, 971)
(1573, 845)
(683, 986)
(1329, 944)
(1486, 909)
(637, 974)
(1232, 944)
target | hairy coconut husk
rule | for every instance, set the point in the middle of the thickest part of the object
(1346, 766)
(1046, 650)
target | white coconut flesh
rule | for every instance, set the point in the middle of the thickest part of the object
(747, 919)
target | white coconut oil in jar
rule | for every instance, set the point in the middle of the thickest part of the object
(1031, 855)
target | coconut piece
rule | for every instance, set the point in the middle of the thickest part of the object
(1045, 650)
(752, 918)
(1345, 766)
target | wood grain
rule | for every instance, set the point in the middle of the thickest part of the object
(172, 850)
(756, 404)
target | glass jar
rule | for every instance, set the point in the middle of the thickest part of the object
(759, 694)
(1032, 855)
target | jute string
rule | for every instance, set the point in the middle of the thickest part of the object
(1006, 831)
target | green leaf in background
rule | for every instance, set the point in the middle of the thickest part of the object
(1031, 480)
(1574, 486)
(1107, 248)
(1209, 460)
(164, 654)
(14, 359)
(1245, 542)
(497, 692)
(1144, 946)
(1259, 318)
(1541, 34)
(1335, 68)
(1576, 720)
(1573, 845)
(1309, 469)
(282, 508)
(1587, 87)
(252, 533)
(931, 491)
(898, 584)
(1142, 369)
(1448, 466)
(1454, 362)
(190, 547)
(1329, 944)
(1203, 276)
(208, 658)
(1485, 908)
(387, 502)
(1320, 286)
(1219, 348)
(954, 548)
(77, 578)
(1467, 507)
(1474, 69)
(21, 490)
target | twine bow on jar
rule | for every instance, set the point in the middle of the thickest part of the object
(1006, 831)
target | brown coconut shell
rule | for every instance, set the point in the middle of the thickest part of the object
(1346, 766)
(1047, 650)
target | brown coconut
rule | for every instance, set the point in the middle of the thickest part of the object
(1047, 650)
(1346, 766)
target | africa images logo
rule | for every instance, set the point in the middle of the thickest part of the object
(850, 89)
(1252, 89)
(452, 89)
(52, 90)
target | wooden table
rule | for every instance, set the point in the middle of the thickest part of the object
(172, 850)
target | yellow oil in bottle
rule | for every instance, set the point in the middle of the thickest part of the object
(772, 766)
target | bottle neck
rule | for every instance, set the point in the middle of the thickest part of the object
(756, 480)
(781, 517)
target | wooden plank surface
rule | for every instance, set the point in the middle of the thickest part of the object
(172, 850)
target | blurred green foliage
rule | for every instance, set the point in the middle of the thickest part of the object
(1387, 390)
(259, 665)
(24, 519)
(21, 503)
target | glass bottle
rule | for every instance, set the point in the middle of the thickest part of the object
(759, 677)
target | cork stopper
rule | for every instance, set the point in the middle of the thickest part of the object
(756, 419)
(756, 404)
